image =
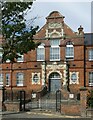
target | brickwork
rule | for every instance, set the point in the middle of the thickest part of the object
(12, 106)
(70, 109)
(31, 65)
(83, 101)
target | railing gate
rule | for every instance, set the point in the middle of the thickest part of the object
(22, 100)
(58, 101)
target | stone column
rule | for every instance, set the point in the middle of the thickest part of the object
(83, 101)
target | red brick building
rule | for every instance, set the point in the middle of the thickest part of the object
(63, 60)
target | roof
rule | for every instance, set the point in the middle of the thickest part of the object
(88, 38)
(54, 14)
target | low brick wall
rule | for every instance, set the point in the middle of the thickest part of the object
(70, 107)
(89, 112)
(12, 106)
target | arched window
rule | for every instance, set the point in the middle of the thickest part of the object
(41, 52)
(54, 75)
(69, 50)
(35, 78)
(20, 79)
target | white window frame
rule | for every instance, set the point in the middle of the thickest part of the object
(42, 53)
(35, 78)
(70, 56)
(19, 81)
(1, 55)
(91, 80)
(1, 79)
(20, 59)
(77, 78)
(7, 61)
(53, 54)
(8, 79)
(90, 54)
(38, 75)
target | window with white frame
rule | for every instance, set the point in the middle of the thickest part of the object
(7, 61)
(54, 50)
(90, 54)
(20, 58)
(7, 79)
(74, 77)
(41, 53)
(20, 79)
(69, 50)
(0, 56)
(90, 78)
(35, 78)
(1, 79)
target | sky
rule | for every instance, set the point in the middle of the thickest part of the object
(77, 12)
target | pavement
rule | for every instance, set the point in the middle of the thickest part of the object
(36, 114)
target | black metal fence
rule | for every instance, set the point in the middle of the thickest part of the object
(14, 95)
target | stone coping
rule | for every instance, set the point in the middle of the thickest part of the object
(72, 102)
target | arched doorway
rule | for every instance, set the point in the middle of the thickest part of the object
(54, 82)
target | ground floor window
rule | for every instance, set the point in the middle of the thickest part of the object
(1, 79)
(90, 78)
(74, 77)
(35, 78)
(7, 79)
(20, 79)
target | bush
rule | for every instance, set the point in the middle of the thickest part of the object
(90, 99)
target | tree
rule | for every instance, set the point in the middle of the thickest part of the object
(90, 99)
(17, 38)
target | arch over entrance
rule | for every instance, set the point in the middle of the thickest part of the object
(54, 82)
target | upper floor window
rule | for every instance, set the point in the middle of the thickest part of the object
(69, 50)
(20, 79)
(90, 78)
(21, 58)
(54, 50)
(1, 79)
(90, 54)
(41, 53)
(7, 79)
(7, 61)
